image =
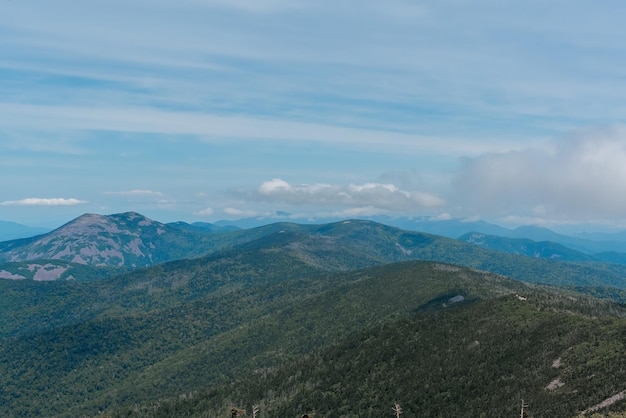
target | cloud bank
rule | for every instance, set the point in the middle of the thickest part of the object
(580, 177)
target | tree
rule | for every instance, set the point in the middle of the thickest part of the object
(237, 412)
(397, 409)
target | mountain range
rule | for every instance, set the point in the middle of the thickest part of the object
(588, 242)
(341, 319)
(105, 245)
(12, 230)
(93, 229)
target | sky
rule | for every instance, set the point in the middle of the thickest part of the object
(201, 110)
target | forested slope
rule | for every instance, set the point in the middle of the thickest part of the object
(478, 359)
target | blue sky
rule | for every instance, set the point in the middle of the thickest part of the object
(200, 110)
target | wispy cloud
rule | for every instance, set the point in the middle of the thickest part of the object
(217, 128)
(430, 89)
(136, 193)
(35, 201)
(431, 79)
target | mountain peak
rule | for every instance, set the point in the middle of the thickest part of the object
(123, 240)
(91, 224)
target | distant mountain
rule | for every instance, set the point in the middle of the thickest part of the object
(255, 222)
(451, 228)
(544, 243)
(129, 240)
(126, 240)
(582, 244)
(527, 247)
(589, 243)
(603, 236)
(215, 228)
(456, 228)
(355, 244)
(11, 230)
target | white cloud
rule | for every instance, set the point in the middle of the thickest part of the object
(205, 212)
(582, 176)
(240, 212)
(136, 192)
(368, 196)
(272, 186)
(441, 217)
(35, 201)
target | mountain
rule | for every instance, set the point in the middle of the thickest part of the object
(590, 243)
(547, 249)
(451, 228)
(455, 228)
(589, 246)
(477, 359)
(196, 333)
(603, 236)
(158, 332)
(213, 227)
(11, 230)
(356, 244)
(130, 240)
(269, 253)
(126, 240)
(340, 344)
(527, 247)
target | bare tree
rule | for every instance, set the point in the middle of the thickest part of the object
(522, 412)
(255, 410)
(397, 409)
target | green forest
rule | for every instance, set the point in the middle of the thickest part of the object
(294, 323)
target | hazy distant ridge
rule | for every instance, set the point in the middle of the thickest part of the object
(12, 230)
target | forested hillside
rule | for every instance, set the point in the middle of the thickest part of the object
(472, 359)
(317, 318)
(150, 343)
